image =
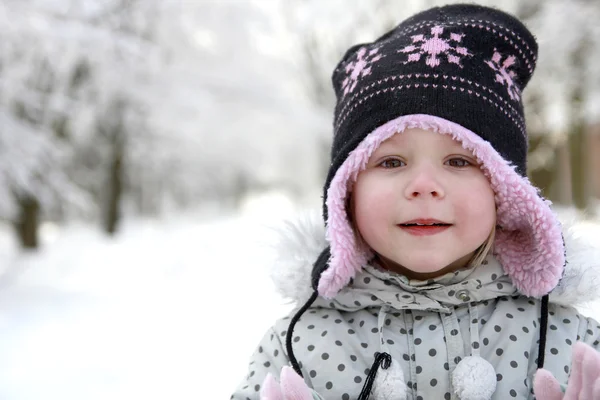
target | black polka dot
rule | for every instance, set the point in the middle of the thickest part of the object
(402, 331)
(267, 364)
(525, 329)
(498, 377)
(526, 354)
(260, 349)
(432, 352)
(337, 342)
(257, 388)
(432, 327)
(521, 309)
(500, 286)
(566, 369)
(353, 358)
(497, 328)
(325, 356)
(406, 357)
(486, 341)
(457, 360)
(276, 353)
(351, 332)
(447, 396)
(419, 369)
(367, 280)
(364, 345)
(499, 352)
(513, 393)
(433, 382)
(554, 351)
(296, 339)
(357, 379)
(345, 396)
(475, 345)
(509, 315)
(514, 364)
(418, 341)
(568, 341)
(328, 385)
(338, 321)
(324, 334)
(513, 338)
(566, 321)
(390, 342)
(313, 373)
(454, 332)
(310, 327)
(341, 367)
(310, 347)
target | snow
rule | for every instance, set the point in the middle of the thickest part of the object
(165, 310)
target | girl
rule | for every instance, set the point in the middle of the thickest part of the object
(440, 256)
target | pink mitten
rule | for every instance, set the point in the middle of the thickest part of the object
(584, 382)
(291, 387)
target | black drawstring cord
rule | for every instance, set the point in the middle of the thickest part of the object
(290, 331)
(543, 329)
(381, 359)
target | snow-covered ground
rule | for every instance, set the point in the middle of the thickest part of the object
(170, 309)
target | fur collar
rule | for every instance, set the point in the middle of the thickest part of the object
(301, 241)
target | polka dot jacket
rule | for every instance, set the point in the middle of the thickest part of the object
(428, 328)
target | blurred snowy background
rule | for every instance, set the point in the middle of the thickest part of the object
(149, 147)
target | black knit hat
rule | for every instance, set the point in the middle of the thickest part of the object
(458, 70)
(464, 63)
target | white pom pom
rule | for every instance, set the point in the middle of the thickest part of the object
(389, 383)
(474, 379)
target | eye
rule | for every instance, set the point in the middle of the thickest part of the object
(458, 162)
(391, 163)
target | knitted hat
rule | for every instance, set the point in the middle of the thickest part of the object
(458, 70)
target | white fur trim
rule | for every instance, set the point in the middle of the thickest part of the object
(300, 243)
(474, 379)
(581, 280)
(389, 383)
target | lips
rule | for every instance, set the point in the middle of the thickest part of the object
(424, 227)
(424, 222)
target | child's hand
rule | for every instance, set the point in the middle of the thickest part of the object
(584, 382)
(291, 387)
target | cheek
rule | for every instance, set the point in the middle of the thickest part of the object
(477, 206)
(373, 208)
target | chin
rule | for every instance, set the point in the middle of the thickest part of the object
(426, 265)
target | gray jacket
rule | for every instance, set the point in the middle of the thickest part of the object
(427, 327)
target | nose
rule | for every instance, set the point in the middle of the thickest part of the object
(424, 184)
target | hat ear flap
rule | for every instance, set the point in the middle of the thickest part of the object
(320, 266)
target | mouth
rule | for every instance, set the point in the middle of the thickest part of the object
(424, 227)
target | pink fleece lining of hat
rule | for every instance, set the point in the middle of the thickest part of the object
(529, 244)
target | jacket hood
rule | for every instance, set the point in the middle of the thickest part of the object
(302, 241)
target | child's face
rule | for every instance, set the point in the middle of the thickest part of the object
(423, 175)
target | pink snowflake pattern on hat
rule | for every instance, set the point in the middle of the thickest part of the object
(359, 68)
(503, 74)
(434, 46)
